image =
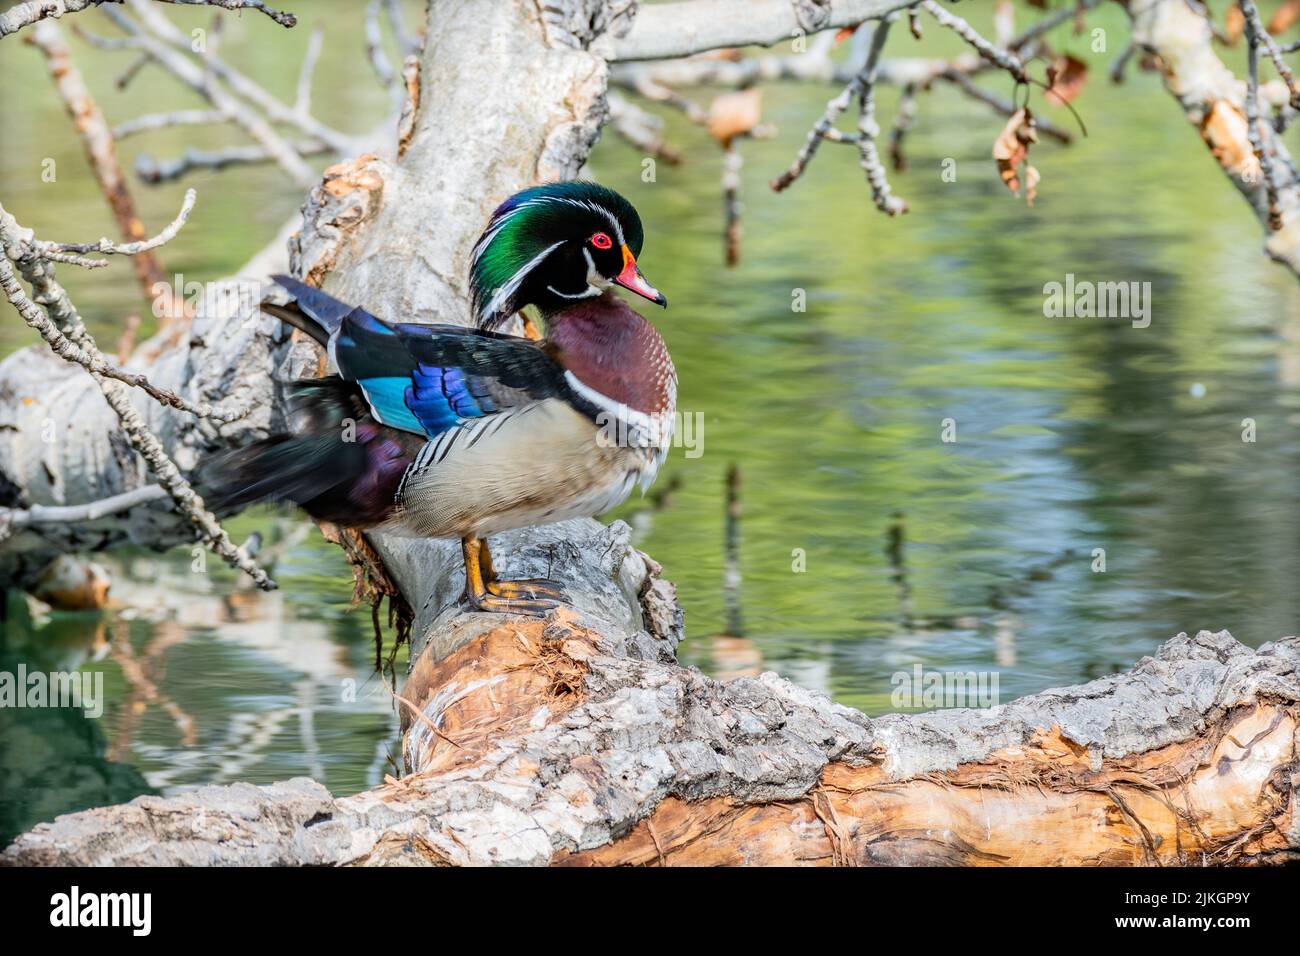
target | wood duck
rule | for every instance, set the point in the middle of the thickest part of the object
(446, 431)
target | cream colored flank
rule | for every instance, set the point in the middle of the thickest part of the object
(526, 466)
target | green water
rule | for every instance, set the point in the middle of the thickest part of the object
(1072, 435)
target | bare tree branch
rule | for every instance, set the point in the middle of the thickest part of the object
(13, 518)
(643, 130)
(302, 103)
(685, 27)
(284, 19)
(168, 34)
(990, 51)
(109, 248)
(408, 41)
(1259, 36)
(155, 171)
(203, 80)
(860, 88)
(101, 153)
(155, 121)
(65, 331)
(23, 249)
(379, 61)
(869, 129)
(32, 11)
(1212, 100)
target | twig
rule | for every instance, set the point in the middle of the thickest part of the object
(90, 511)
(902, 123)
(284, 19)
(204, 81)
(1121, 63)
(732, 164)
(74, 260)
(821, 130)
(155, 171)
(107, 247)
(1049, 23)
(1263, 158)
(132, 70)
(101, 153)
(25, 14)
(63, 317)
(1255, 28)
(155, 121)
(302, 103)
(860, 88)
(25, 250)
(93, 362)
(642, 129)
(963, 82)
(409, 42)
(166, 33)
(375, 48)
(991, 52)
(869, 129)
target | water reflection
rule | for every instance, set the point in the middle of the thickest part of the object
(206, 681)
(866, 543)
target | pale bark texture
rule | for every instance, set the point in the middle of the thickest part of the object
(579, 740)
(554, 745)
(1214, 100)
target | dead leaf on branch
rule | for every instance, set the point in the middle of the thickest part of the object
(1283, 18)
(1234, 24)
(735, 114)
(1066, 78)
(1011, 150)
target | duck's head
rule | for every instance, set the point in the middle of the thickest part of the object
(554, 245)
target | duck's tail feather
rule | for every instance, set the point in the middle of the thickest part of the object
(336, 464)
(315, 312)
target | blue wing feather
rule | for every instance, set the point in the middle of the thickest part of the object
(442, 398)
(428, 379)
(387, 399)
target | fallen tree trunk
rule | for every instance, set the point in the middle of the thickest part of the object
(579, 739)
(540, 743)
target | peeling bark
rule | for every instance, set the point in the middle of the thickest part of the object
(579, 740)
(543, 742)
(1214, 101)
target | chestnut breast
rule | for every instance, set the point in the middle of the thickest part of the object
(611, 349)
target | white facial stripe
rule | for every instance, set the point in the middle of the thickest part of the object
(596, 283)
(501, 295)
(585, 294)
(599, 210)
(495, 226)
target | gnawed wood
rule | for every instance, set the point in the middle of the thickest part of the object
(1221, 797)
(541, 743)
(580, 739)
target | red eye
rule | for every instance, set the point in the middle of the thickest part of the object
(602, 241)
